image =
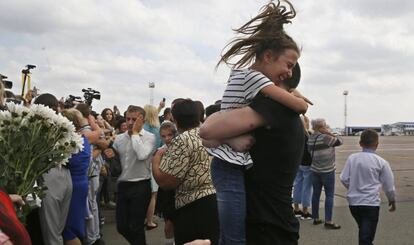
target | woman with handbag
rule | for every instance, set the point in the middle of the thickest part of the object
(322, 145)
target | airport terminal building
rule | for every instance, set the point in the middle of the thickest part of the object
(356, 130)
(395, 129)
(398, 128)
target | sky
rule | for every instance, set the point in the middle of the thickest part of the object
(118, 47)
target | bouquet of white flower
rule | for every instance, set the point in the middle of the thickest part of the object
(32, 141)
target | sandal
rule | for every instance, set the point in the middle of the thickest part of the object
(317, 221)
(332, 226)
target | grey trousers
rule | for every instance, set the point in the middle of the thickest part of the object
(92, 225)
(55, 204)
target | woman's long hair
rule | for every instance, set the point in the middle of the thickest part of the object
(103, 114)
(263, 32)
(151, 116)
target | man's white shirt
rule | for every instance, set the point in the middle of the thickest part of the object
(135, 153)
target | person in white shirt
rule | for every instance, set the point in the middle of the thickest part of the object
(135, 148)
(363, 175)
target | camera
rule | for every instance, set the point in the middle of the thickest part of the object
(7, 84)
(71, 101)
(90, 94)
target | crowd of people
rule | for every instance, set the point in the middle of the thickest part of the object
(235, 172)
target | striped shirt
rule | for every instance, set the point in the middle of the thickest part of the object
(242, 87)
(321, 148)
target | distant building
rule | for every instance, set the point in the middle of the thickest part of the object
(356, 130)
(338, 131)
(398, 128)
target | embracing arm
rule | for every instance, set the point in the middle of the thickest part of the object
(296, 103)
(241, 143)
(165, 181)
(227, 124)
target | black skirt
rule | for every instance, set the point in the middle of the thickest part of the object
(165, 204)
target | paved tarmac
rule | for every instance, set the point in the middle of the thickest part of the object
(394, 228)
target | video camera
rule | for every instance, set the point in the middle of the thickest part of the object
(7, 84)
(90, 94)
(71, 101)
(28, 68)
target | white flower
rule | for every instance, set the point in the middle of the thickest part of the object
(19, 109)
(5, 115)
(33, 141)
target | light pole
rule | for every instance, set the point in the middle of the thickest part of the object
(345, 93)
(151, 86)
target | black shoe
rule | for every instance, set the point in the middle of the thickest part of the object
(306, 216)
(332, 226)
(298, 213)
(317, 221)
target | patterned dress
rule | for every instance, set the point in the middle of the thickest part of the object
(187, 160)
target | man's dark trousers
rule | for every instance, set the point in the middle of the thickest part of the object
(131, 208)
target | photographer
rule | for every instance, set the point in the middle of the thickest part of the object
(4, 94)
(71, 101)
(2, 104)
(27, 99)
(93, 134)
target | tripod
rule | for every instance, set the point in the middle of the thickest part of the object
(26, 77)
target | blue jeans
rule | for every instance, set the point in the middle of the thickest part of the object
(367, 220)
(228, 179)
(302, 188)
(327, 180)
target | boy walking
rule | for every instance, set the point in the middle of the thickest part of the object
(363, 175)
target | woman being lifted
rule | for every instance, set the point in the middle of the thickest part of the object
(270, 56)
